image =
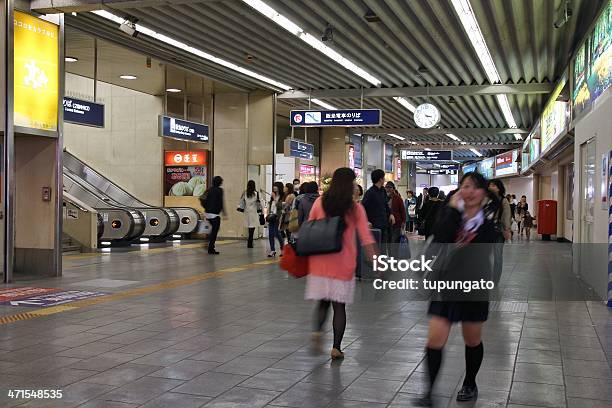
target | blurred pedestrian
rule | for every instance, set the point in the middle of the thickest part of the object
(331, 278)
(251, 207)
(396, 230)
(213, 203)
(410, 204)
(376, 205)
(273, 219)
(462, 222)
(429, 212)
(499, 208)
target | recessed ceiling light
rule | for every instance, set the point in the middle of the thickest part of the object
(173, 90)
(128, 77)
(71, 59)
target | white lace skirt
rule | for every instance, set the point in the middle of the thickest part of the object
(322, 288)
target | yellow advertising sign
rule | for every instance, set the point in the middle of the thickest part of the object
(36, 75)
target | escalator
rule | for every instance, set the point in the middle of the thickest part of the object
(160, 223)
(118, 224)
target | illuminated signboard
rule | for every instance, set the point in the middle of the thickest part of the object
(525, 153)
(398, 169)
(469, 168)
(534, 150)
(357, 142)
(299, 149)
(427, 155)
(182, 129)
(388, 158)
(307, 170)
(351, 156)
(36, 82)
(555, 117)
(593, 65)
(340, 118)
(83, 112)
(505, 163)
(185, 158)
(486, 167)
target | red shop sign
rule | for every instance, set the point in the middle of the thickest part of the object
(185, 158)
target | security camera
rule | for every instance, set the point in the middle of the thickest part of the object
(328, 34)
(563, 15)
(129, 27)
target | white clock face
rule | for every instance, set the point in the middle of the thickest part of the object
(426, 116)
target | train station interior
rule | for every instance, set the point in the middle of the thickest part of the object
(154, 152)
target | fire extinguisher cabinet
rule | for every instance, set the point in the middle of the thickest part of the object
(547, 218)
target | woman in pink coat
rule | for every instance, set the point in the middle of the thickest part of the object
(331, 278)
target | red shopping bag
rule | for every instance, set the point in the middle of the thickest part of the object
(296, 266)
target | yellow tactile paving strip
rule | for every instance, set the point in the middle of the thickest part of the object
(133, 292)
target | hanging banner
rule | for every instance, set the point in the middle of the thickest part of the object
(36, 72)
(340, 118)
(182, 129)
(357, 142)
(506, 164)
(427, 155)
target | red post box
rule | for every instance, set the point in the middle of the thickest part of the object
(547, 218)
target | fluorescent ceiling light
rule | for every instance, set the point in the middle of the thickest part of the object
(470, 25)
(396, 136)
(173, 90)
(518, 136)
(128, 77)
(71, 59)
(502, 99)
(413, 142)
(192, 50)
(463, 143)
(323, 104)
(311, 40)
(404, 102)
(455, 138)
(427, 148)
(476, 152)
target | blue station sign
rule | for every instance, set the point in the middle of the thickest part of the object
(182, 129)
(83, 112)
(427, 155)
(299, 149)
(340, 118)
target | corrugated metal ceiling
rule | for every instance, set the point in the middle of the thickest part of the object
(411, 34)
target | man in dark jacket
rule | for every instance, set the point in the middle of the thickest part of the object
(213, 204)
(376, 204)
(309, 192)
(429, 212)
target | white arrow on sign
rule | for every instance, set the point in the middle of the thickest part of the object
(26, 302)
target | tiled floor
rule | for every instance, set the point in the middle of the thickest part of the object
(240, 338)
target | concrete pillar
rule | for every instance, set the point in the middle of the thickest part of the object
(243, 136)
(334, 152)
(408, 175)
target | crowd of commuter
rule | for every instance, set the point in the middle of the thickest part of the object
(478, 212)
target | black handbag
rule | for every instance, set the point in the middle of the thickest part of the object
(262, 220)
(322, 236)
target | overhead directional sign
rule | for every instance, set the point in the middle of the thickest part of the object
(299, 149)
(427, 155)
(83, 112)
(182, 129)
(341, 118)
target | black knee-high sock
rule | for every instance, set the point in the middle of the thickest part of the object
(321, 314)
(339, 323)
(473, 359)
(434, 360)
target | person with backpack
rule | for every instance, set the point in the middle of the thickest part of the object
(500, 212)
(331, 278)
(411, 205)
(250, 206)
(213, 203)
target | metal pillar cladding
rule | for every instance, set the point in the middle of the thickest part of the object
(59, 154)
(9, 146)
(409, 169)
(610, 228)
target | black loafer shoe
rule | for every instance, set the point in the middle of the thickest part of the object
(423, 401)
(467, 393)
